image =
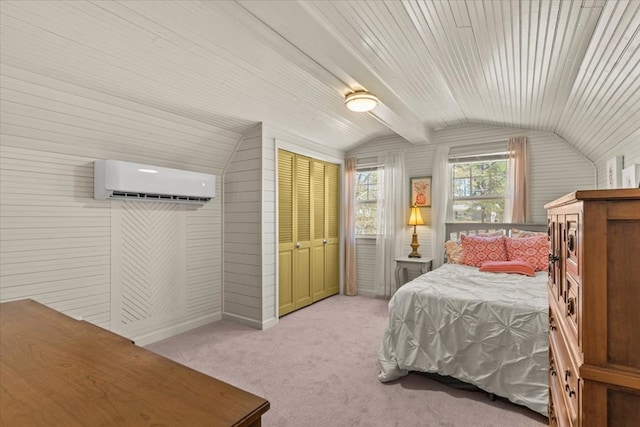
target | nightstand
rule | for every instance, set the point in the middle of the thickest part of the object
(404, 264)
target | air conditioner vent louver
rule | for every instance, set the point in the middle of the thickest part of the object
(132, 181)
(158, 197)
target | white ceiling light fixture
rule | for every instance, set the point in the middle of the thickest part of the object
(361, 101)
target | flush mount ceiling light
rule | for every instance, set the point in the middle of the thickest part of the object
(361, 101)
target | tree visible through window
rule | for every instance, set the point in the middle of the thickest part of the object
(366, 204)
(479, 189)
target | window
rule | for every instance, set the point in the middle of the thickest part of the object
(366, 204)
(479, 187)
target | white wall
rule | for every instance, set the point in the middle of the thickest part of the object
(249, 232)
(57, 244)
(630, 151)
(556, 169)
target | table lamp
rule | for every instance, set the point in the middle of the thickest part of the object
(415, 219)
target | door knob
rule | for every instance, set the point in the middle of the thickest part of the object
(298, 245)
(324, 242)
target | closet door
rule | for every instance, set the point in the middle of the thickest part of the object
(332, 247)
(319, 241)
(303, 216)
(286, 240)
(308, 198)
(325, 267)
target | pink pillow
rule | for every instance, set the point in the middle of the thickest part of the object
(516, 267)
(533, 250)
(480, 249)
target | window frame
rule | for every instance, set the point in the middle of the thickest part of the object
(369, 201)
(502, 156)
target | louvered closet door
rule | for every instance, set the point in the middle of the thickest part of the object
(308, 230)
(286, 242)
(325, 243)
(332, 247)
(302, 214)
(319, 240)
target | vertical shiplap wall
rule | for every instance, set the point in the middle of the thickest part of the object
(55, 240)
(556, 169)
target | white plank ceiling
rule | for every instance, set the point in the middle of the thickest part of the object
(571, 67)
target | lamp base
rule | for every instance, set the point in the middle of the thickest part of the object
(414, 246)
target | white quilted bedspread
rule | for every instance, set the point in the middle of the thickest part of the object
(487, 329)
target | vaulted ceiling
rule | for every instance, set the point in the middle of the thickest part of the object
(571, 67)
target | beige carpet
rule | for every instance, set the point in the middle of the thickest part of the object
(319, 366)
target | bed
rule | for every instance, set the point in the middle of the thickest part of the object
(486, 329)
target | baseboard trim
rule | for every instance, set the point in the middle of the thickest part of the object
(366, 293)
(169, 331)
(252, 323)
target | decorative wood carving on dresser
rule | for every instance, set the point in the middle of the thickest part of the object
(594, 309)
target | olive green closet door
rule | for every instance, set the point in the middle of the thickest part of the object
(302, 250)
(325, 245)
(332, 247)
(308, 245)
(286, 243)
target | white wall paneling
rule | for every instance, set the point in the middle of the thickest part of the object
(148, 254)
(178, 83)
(556, 169)
(243, 232)
(56, 241)
(54, 238)
(568, 67)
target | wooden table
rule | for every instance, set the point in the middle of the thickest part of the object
(55, 370)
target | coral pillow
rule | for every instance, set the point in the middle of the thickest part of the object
(533, 250)
(480, 249)
(515, 267)
(453, 248)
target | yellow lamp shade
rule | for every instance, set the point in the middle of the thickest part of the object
(416, 217)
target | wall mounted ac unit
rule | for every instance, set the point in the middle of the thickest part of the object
(114, 179)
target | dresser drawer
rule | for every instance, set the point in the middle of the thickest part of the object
(558, 414)
(572, 305)
(572, 245)
(565, 374)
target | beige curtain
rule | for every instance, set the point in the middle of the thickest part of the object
(350, 283)
(516, 207)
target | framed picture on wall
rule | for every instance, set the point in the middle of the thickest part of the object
(420, 191)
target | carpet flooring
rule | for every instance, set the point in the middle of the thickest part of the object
(319, 367)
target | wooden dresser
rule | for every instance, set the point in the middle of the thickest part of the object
(57, 371)
(594, 309)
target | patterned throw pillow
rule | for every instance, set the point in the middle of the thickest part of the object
(511, 267)
(453, 248)
(454, 252)
(480, 249)
(533, 250)
(516, 233)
